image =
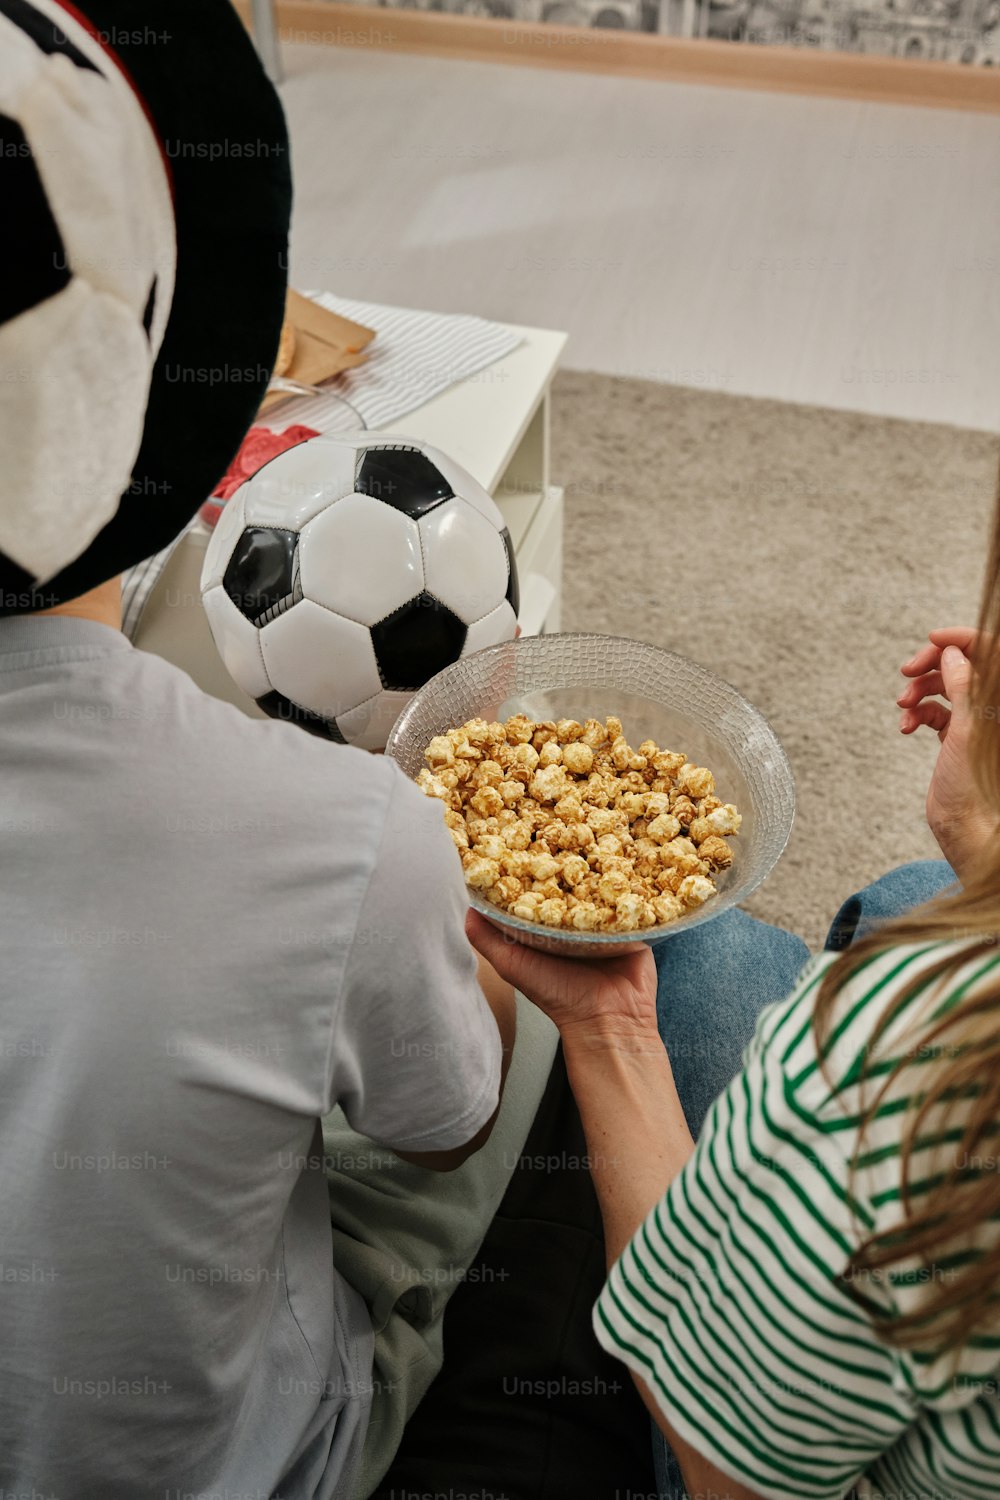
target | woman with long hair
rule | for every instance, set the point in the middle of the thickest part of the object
(809, 1298)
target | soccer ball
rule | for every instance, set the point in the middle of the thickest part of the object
(348, 571)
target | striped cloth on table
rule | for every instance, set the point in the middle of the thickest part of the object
(413, 358)
(727, 1303)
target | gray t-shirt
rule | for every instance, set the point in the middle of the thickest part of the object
(213, 929)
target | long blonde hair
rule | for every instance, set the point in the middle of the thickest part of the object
(964, 1300)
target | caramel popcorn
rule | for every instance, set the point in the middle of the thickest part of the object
(564, 823)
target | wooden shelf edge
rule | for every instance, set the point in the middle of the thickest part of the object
(888, 80)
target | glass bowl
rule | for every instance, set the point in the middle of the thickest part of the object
(657, 695)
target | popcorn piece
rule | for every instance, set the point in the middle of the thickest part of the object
(632, 804)
(487, 801)
(620, 753)
(575, 870)
(533, 816)
(613, 726)
(506, 891)
(579, 836)
(525, 759)
(657, 803)
(490, 846)
(569, 808)
(464, 748)
(544, 866)
(667, 908)
(695, 780)
(549, 784)
(628, 910)
(440, 751)
(550, 754)
(511, 791)
(609, 844)
(667, 763)
(594, 734)
(496, 734)
(435, 787)
(689, 864)
(726, 819)
(477, 732)
(549, 844)
(683, 855)
(694, 890)
(633, 781)
(553, 912)
(526, 906)
(568, 731)
(519, 729)
(664, 828)
(585, 917)
(518, 862)
(458, 832)
(716, 852)
(573, 836)
(487, 773)
(683, 810)
(611, 885)
(600, 819)
(596, 792)
(578, 758)
(482, 874)
(545, 730)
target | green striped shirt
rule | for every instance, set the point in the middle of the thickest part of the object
(727, 1301)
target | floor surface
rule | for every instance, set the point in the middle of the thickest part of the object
(832, 252)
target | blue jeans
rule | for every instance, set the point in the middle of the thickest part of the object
(713, 983)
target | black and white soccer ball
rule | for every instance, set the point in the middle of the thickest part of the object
(348, 571)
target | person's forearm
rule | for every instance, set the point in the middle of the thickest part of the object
(637, 1137)
(638, 1141)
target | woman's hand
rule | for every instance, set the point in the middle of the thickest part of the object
(956, 814)
(611, 998)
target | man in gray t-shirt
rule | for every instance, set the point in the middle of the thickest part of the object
(214, 929)
(233, 955)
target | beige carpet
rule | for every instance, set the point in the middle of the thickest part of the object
(800, 553)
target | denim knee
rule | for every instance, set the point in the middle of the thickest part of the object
(890, 896)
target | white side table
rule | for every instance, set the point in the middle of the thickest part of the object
(496, 424)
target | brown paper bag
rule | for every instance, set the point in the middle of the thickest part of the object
(325, 344)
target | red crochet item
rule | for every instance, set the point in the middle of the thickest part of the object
(258, 448)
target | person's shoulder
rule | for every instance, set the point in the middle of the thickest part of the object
(846, 1025)
(227, 753)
